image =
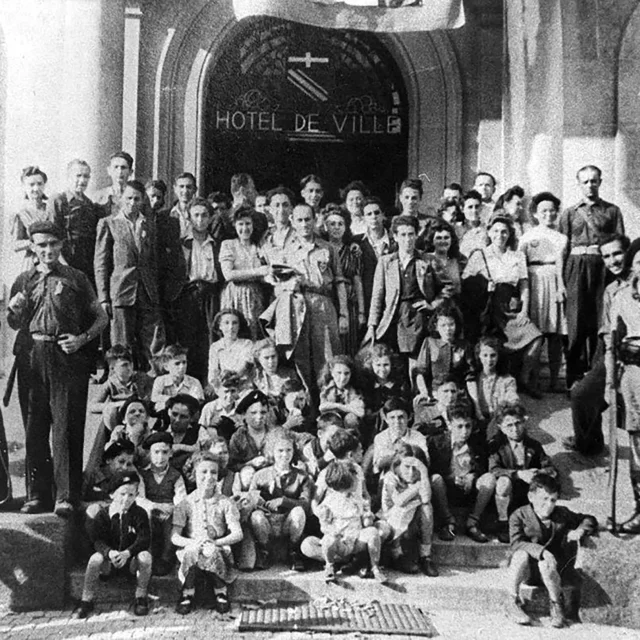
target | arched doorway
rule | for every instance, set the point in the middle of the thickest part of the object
(283, 100)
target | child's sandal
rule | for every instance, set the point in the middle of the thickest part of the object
(185, 605)
(222, 603)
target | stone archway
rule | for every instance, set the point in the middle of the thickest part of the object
(426, 61)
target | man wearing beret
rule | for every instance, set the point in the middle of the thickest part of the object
(57, 307)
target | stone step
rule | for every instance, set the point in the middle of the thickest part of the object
(457, 588)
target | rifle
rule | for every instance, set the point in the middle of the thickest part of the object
(612, 400)
(11, 380)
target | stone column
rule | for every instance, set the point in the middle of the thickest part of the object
(62, 93)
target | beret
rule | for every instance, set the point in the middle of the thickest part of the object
(251, 398)
(396, 404)
(121, 478)
(45, 226)
(158, 436)
(116, 448)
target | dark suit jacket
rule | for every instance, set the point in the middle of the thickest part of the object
(121, 267)
(526, 533)
(172, 267)
(502, 461)
(369, 263)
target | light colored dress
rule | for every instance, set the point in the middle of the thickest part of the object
(234, 357)
(248, 296)
(505, 268)
(209, 518)
(543, 248)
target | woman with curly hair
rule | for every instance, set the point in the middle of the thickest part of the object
(353, 196)
(338, 225)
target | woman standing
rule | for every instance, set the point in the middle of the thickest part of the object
(34, 210)
(544, 248)
(447, 261)
(338, 227)
(244, 268)
(511, 203)
(353, 196)
(505, 270)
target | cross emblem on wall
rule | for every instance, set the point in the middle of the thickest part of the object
(308, 59)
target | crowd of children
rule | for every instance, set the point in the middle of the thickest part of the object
(256, 435)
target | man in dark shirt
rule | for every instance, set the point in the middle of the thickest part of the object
(58, 307)
(586, 224)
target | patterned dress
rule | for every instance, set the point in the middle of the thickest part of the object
(200, 517)
(247, 296)
(544, 249)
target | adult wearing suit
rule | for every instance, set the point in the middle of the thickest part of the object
(403, 290)
(126, 268)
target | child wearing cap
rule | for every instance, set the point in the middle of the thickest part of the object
(163, 487)
(205, 526)
(119, 534)
(118, 456)
(226, 388)
(247, 445)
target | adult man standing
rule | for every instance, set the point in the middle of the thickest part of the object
(126, 267)
(586, 224)
(485, 185)
(120, 169)
(588, 395)
(321, 282)
(184, 188)
(57, 306)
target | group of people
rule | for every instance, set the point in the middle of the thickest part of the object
(339, 379)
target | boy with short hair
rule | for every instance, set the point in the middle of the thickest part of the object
(227, 390)
(184, 188)
(77, 218)
(514, 458)
(540, 532)
(199, 300)
(286, 494)
(316, 454)
(123, 383)
(475, 232)
(458, 467)
(175, 381)
(396, 415)
(163, 487)
(119, 534)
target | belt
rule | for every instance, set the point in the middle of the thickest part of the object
(43, 337)
(630, 353)
(583, 250)
(538, 263)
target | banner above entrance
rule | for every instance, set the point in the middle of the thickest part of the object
(361, 15)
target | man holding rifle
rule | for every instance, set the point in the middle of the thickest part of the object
(623, 374)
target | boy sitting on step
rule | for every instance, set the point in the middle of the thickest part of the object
(543, 544)
(119, 535)
(458, 467)
(514, 458)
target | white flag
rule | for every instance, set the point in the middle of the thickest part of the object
(361, 15)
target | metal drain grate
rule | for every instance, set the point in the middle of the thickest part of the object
(340, 617)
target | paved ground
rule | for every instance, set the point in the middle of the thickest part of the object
(584, 488)
(122, 625)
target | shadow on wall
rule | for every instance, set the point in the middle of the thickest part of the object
(32, 563)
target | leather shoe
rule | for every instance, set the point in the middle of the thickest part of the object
(503, 533)
(406, 565)
(185, 605)
(34, 506)
(475, 534)
(428, 568)
(63, 509)
(222, 603)
(447, 533)
(631, 526)
(141, 606)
